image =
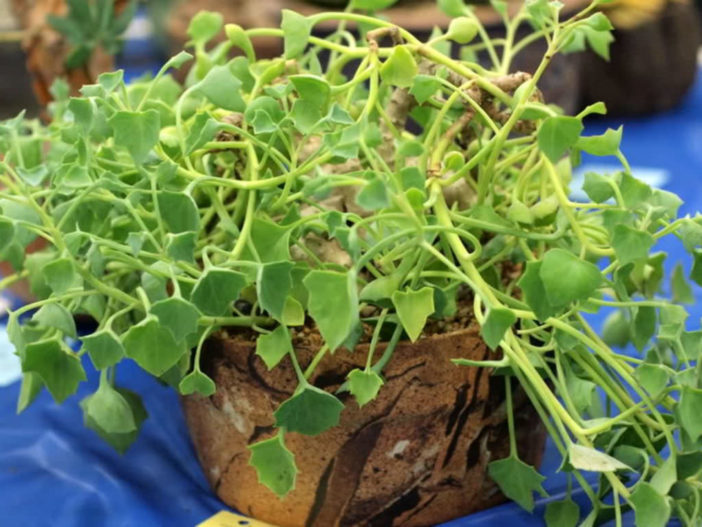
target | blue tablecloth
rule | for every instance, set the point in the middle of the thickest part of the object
(54, 471)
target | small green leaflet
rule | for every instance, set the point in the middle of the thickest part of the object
(400, 68)
(30, 388)
(452, 8)
(152, 346)
(517, 480)
(60, 275)
(568, 279)
(589, 459)
(413, 309)
(296, 33)
(616, 331)
(633, 191)
(178, 315)
(109, 410)
(310, 411)
(181, 247)
(273, 285)
(373, 195)
(631, 245)
(274, 464)
(424, 87)
(333, 304)
(237, 36)
(606, 144)
(688, 412)
(136, 131)
(564, 513)
(557, 135)
(653, 377)
(60, 370)
(534, 291)
(495, 325)
(364, 385)
(682, 292)
(204, 27)
(58, 317)
(104, 348)
(201, 131)
(650, 507)
(197, 382)
(119, 441)
(462, 30)
(597, 187)
(273, 346)
(216, 290)
(666, 476)
(222, 88)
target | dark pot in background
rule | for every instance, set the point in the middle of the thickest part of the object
(415, 456)
(652, 66)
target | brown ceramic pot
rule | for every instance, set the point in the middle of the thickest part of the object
(416, 456)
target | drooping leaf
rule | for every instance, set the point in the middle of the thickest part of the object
(197, 382)
(534, 291)
(333, 304)
(688, 411)
(274, 346)
(58, 317)
(565, 513)
(273, 285)
(178, 315)
(59, 369)
(216, 290)
(104, 348)
(364, 385)
(310, 411)
(152, 346)
(496, 324)
(631, 244)
(517, 480)
(589, 459)
(274, 464)
(413, 308)
(109, 410)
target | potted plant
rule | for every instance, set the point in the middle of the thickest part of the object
(367, 288)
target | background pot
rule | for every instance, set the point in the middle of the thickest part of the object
(416, 456)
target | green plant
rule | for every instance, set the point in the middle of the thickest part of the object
(299, 189)
(92, 24)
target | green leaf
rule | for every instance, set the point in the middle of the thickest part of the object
(606, 144)
(568, 279)
(633, 191)
(557, 135)
(216, 289)
(631, 245)
(197, 382)
(682, 292)
(178, 315)
(688, 411)
(564, 513)
(110, 80)
(333, 304)
(274, 464)
(60, 275)
(104, 348)
(178, 212)
(452, 8)
(517, 480)
(138, 132)
(644, 326)
(597, 187)
(534, 291)
(82, 110)
(315, 90)
(152, 346)
(400, 68)
(120, 442)
(372, 5)
(666, 476)
(413, 308)
(109, 410)
(222, 89)
(364, 385)
(496, 324)
(274, 346)
(273, 285)
(270, 240)
(201, 131)
(293, 313)
(310, 411)
(373, 195)
(204, 26)
(651, 509)
(58, 317)
(296, 33)
(424, 87)
(591, 460)
(59, 369)
(181, 247)
(237, 36)
(31, 386)
(696, 272)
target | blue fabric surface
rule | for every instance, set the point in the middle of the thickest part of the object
(53, 471)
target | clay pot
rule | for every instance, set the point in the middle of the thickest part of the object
(416, 456)
(652, 66)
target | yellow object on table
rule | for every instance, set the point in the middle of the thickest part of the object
(231, 519)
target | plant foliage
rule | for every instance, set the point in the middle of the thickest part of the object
(305, 191)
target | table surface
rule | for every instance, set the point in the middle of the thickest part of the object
(53, 469)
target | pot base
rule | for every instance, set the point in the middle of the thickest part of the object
(415, 456)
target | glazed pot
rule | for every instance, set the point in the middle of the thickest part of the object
(415, 456)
